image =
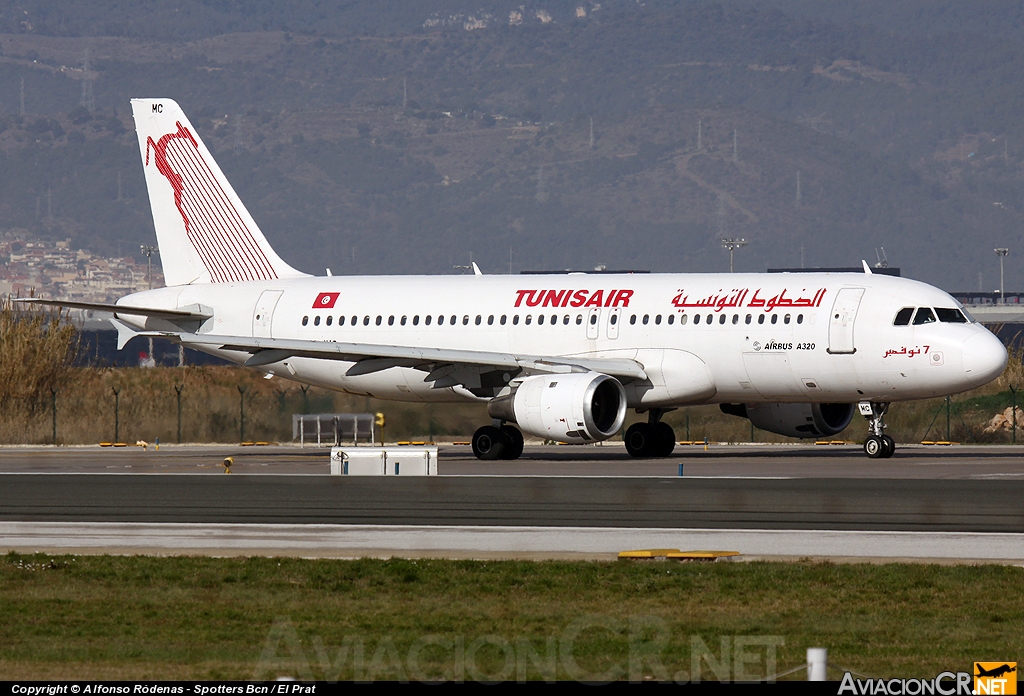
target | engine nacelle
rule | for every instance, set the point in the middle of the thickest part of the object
(573, 408)
(795, 420)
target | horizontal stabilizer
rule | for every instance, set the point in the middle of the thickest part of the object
(171, 314)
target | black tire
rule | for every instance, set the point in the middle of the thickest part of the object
(640, 440)
(488, 443)
(513, 442)
(890, 446)
(665, 438)
(874, 447)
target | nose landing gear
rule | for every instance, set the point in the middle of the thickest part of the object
(878, 445)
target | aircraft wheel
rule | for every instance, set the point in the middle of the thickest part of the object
(488, 443)
(513, 442)
(890, 446)
(640, 440)
(874, 447)
(665, 439)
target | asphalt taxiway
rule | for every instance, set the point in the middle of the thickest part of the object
(766, 501)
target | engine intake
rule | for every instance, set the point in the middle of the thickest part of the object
(795, 420)
(573, 408)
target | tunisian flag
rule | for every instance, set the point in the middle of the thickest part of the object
(325, 300)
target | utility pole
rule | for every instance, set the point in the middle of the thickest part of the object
(88, 101)
(1001, 252)
(801, 256)
(732, 245)
(148, 251)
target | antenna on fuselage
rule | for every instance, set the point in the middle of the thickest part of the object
(867, 268)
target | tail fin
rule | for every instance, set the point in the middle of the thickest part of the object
(205, 233)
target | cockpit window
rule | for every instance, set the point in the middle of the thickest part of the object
(903, 316)
(950, 316)
(924, 316)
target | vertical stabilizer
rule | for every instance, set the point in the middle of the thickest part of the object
(205, 233)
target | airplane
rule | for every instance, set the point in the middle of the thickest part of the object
(995, 671)
(561, 356)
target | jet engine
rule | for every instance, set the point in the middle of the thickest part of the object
(573, 407)
(795, 420)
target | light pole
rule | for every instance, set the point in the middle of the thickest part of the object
(732, 245)
(1001, 252)
(149, 251)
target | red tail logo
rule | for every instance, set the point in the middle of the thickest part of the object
(213, 224)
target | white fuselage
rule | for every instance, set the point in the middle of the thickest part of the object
(759, 337)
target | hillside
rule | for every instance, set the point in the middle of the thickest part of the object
(899, 138)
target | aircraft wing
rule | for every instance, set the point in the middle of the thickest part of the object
(443, 365)
(170, 314)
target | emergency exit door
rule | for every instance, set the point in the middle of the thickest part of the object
(263, 317)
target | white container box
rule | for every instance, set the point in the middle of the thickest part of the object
(384, 461)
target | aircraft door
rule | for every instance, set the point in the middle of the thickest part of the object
(613, 323)
(263, 316)
(593, 323)
(841, 321)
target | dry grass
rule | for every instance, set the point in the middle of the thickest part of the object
(210, 403)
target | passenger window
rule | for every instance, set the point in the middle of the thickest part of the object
(305, 320)
(760, 319)
(903, 317)
(579, 319)
(477, 320)
(721, 319)
(647, 318)
(696, 318)
(540, 319)
(355, 320)
(950, 316)
(554, 319)
(455, 320)
(529, 318)
(593, 319)
(614, 319)
(379, 319)
(465, 320)
(502, 319)
(632, 319)
(366, 321)
(924, 316)
(775, 318)
(565, 320)
(316, 320)
(515, 319)
(341, 320)
(671, 319)
(440, 320)
(404, 318)
(657, 320)
(416, 320)
(330, 320)
(799, 318)
(490, 320)
(391, 320)
(682, 320)
(747, 320)
(785, 319)
(426, 321)
(709, 319)
(735, 318)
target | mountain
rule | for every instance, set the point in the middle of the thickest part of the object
(400, 136)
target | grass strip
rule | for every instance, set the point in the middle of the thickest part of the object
(109, 617)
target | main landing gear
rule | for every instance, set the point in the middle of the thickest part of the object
(651, 439)
(493, 442)
(878, 445)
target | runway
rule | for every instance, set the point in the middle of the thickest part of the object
(954, 503)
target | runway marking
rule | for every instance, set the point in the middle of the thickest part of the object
(507, 541)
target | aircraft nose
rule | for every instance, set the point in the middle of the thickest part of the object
(984, 358)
